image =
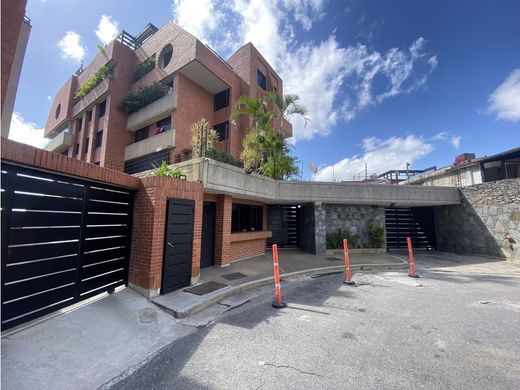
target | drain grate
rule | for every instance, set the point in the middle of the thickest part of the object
(234, 276)
(332, 259)
(206, 288)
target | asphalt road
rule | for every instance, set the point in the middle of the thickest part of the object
(452, 328)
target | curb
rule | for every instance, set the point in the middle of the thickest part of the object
(234, 290)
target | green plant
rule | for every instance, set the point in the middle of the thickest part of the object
(203, 138)
(334, 240)
(220, 155)
(143, 68)
(375, 234)
(164, 170)
(135, 100)
(93, 82)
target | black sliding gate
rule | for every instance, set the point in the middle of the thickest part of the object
(282, 221)
(63, 240)
(417, 223)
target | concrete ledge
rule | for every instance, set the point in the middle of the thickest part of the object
(248, 236)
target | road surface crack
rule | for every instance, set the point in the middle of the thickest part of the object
(291, 368)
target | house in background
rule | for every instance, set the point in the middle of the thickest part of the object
(16, 28)
(85, 122)
(468, 170)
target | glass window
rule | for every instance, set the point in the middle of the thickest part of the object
(246, 218)
(141, 134)
(79, 124)
(102, 108)
(89, 116)
(222, 130)
(99, 138)
(76, 149)
(166, 56)
(163, 125)
(85, 148)
(65, 152)
(261, 80)
(221, 100)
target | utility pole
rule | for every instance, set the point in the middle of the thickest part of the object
(407, 172)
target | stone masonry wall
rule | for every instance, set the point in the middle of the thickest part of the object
(487, 222)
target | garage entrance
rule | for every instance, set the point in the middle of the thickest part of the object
(282, 220)
(178, 245)
(417, 223)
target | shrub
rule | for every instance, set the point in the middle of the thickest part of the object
(93, 82)
(135, 100)
(219, 155)
(334, 240)
(143, 68)
(375, 234)
(165, 170)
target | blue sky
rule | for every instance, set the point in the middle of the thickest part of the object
(385, 82)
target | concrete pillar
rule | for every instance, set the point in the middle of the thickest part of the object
(320, 228)
(223, 230)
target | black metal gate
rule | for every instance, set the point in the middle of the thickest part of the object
(207, 251)
(282, 221)
(417, 223)
(178, 245)
(63, 240)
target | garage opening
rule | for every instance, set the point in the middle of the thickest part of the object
(282, 221)
(416, 222)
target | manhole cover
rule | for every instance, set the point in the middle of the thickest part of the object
(206, 288)
(234, 276)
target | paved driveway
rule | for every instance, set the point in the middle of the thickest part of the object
(455, 327)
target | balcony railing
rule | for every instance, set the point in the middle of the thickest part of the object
(60, 143)
(150, 145)
(152, 112)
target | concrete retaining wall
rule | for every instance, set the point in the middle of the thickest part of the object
(487, 222)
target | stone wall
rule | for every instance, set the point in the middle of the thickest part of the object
(487, 222)
(331, 217)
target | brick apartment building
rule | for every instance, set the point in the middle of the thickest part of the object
(200, 84)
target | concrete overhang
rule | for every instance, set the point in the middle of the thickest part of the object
(200, 75)
(153, 144)
(222, 178)
(60, 143)
(153, 112)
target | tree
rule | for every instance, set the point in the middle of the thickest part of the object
(288, 105)
(203, 138)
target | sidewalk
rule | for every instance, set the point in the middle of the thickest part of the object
(258, 271)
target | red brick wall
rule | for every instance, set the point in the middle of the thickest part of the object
(245, 249)
(146, 259)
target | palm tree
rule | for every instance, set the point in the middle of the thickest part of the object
(288, 105)
(255, 110)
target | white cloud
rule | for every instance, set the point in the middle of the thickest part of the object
(26, 132)
(440, 136)
(504, 102)
(335, 83)
(71, 47)
(107, 29)
(455, 141)
(49, 98)
(379, 155)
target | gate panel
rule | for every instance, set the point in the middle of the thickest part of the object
(178, 245)
(63, 240)
(416, 223)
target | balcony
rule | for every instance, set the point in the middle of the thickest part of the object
(60, 143)
(150, 145)
(152, 112)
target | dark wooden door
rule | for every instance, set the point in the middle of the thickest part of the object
(178, 245)
(207, 255)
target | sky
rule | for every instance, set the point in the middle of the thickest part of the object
(385, 82)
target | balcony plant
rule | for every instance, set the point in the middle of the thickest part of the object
(203, 138)
(101, 74)
(135, 100)
(143, 69)
(164, 170)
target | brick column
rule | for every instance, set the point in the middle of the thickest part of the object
(223, 230)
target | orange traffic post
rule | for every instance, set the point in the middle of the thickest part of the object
(348, 275)
(411, 262)
(278, 303)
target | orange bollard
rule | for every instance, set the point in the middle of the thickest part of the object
(278, 303)
(348, 276)
(412, 273)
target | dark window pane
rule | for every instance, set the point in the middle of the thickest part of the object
(102, 108)
(246, 218)
(85, 148)
(79, 124)
(163, 125)
(89, 116)
(261, 80)
(99, 138)
(221, 100)
(222, 130)
(76, 149)
(65, 152)
(141, 134)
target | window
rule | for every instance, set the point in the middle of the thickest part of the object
(163, 125)
(261, 80)
(141, 134)
(99, 138)
(166, 56)
(246, 218)
(76, 149)
(97, 162)
(169, 84)
(222, 130)
(221, 100)
(65, 152)
(85, 148)
(58, 109)
(79, 124)
(89, 116)
(102, 108)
